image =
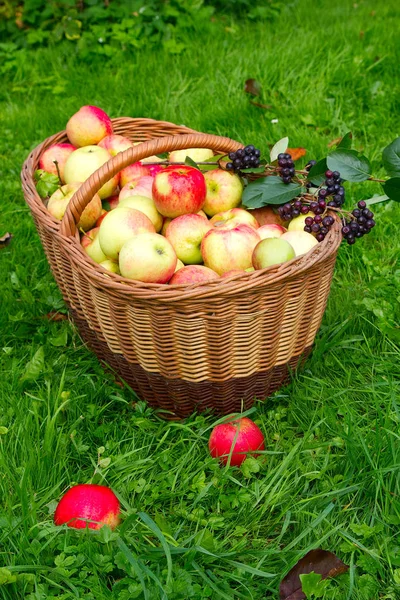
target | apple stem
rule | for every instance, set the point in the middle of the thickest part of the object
(84, 233)
(58, 173)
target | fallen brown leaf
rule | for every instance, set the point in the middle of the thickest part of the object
(55, 316)
(266, 106)
(5, 239)
(320, 561)
(253, 87)
(296, 153)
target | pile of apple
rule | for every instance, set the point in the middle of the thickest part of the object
(159, 223)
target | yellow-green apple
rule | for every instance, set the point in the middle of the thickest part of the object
(301, 241)
(272, 251)
(119, 226)
(115, 143)
(151, 159)
(179, 190)
(193, 274)
(88, 126)
(101, 217)
(179, 265)
(146, 206)
(185, 234)
(226, 249)
(147, 257)
(110, 265)
(56, 153)
(88, 505)
(59, 201)
(298, 223)
(266, 215)
(224, 191)
(196, 154)
(90, 244)
(230, 218)
(85, 161)
(270, 231)
(165, 224)
(139, 187)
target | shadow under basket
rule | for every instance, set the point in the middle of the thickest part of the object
(212, 346)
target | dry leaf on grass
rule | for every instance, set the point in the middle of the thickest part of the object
(296, 153)
(5, 239)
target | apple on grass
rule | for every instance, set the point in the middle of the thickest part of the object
(139, 187)
(234, 440)
(58, 202)
(86, 160)
(185, 234)
(90, 244)
(193, 274)
(115, 143)
(148, 257)
(57, 153)
(224, 191)
(88, 505)
(146, 206)
(196, 154)
(119, 226)
(179, 190)
(88, 126)
(232, 217)
(272, 251)
(227, 249)
(301, 241)
(272, 230)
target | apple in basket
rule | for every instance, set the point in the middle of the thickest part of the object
(179, 190)
(230, 218)
(88, 505)
(235, 440)
(224, 191)
(266, 215)
(139, 187)
(146, 206)
(193, 274)
(147, 257)
(86, 160)
(115, 143)
(273, 230)
(119, 226)
(137, 170)
(58, 202)
(185, 234)
(56, 153)
(226, 249)
(272, 251)
(90, 244)
(301, 241)
(196, 154)
(88, 126)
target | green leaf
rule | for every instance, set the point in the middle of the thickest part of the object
(346, 141)
(269, 190)
(392, 188)
(376, 199)
(312, 585)
(391, 158)
(3, 430)
(351, 165)
(317, 173)
(47, 183)
(34, 367)
(60, 339)
(190, 163)
(280, 147)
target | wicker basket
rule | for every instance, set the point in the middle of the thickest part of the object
(216, 345)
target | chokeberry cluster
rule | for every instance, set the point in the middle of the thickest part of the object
(360, 223)
(286, 164)
(244, 158)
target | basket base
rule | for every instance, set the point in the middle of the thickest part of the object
(180, 398)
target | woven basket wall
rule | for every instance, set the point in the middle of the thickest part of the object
(217, 345)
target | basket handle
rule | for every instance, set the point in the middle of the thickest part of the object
(91, 186)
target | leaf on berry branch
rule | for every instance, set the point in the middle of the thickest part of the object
(253, 87)
(296, 153)
(346, 141)
(269, 190)
(391, 158)
(47, 183)
(191, 163)
(279, 148)
(351, 165)
(317, 173)
(391, 187)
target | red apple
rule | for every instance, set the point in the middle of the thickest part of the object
(138, 187)
(241, 437)
(230, 218)
(115, 143)
(119, 226)
(88, 505)
(185, 234)
(59, 153)
(224, 191)
(193, 274)
(88, 126)
(227, 249)
(179, 190)
(271, 231)
(133, 172)
(147, 257)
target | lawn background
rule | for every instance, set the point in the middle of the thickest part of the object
(330, 477)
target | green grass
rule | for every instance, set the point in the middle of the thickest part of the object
(330, 474)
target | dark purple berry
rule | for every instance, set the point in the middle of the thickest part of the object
(319, 211)
(362, 204)
(292, 171)
(356, 212)
(249, 149)
(304, 209)
(315, 228)
(324, 230)
(318, 219)
(330, 189)
(329, 181)
(309, 221)
(282, 162)
(229, 166)
(232, 155)
(341, 190)
(322, 204)
(336, 175)
(322, 193)
(327, 221)
(313, 206)
(320, 237)
(286, 179)
(354, 226)
(307, 228)
(332, 203)
(257, 153)
(370, 224)
(287, 206)
(240, 153)
(359, 234)
(346, 230)
(310, 164)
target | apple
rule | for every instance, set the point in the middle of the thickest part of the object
(165, 224)
(301, 241)
(271, 231)
(196, 154)
(224, 191)
(90, 244)
(119, 226)
(272, 251)
(298, 223)
(147, 257)
(137, 170)
(59, 153)
(179, 190)
(86, 160)
(101, 217)
(146, 206)
(230, 218)
(88, 126)
(234, 440)
(185, 234)
(111, 203)
(193, 274)
(110, 265)
(266, 215)
(227, 249)
(58, 202)
(139, 187)
(151, 159)
(115, 143)
(88, 505)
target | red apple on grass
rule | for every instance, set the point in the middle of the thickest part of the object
(88, 505)
(230, 218)
(59, 153)
(85, 161)
(119, 226)
(226, 249)
(88, 126)
(271, 231)
(179, 190)
(58, 202)
(241, 437)
(224, 191)
(272, 251)
(115, 143)
(147, 257)
(185, 234)
(193, 274)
